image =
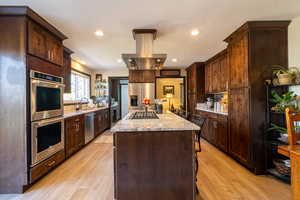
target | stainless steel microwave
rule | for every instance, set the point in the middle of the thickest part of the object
(46, 96)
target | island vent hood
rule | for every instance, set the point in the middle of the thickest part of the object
(144, 59)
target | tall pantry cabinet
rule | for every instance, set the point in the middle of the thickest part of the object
(252, 50)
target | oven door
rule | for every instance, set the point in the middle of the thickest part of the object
(47, 138)
(46, 99)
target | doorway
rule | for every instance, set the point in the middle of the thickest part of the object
(118, 97)
(171, 90)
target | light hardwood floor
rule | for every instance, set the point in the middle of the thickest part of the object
(88, 175)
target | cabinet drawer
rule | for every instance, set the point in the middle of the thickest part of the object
(44, 167)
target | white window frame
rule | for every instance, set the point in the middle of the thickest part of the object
(74, 96)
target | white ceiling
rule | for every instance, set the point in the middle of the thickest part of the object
(174, 19)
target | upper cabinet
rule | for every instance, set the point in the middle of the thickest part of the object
(67, 60)
(44, 44)
(238, 62)
(216, 73)
(195, 85)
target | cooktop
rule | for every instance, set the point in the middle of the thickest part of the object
(143, 115)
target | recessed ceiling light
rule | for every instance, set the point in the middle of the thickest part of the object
(99, 33)
(174, 59)
(119, 60)
(195, 32)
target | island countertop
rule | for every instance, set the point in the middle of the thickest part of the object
(166, 122)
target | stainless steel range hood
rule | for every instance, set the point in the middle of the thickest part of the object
(144, 59)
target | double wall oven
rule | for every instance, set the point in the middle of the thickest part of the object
(47, 123)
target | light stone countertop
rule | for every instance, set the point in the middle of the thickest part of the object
(166, 122)
(68, 114)
(211, 111)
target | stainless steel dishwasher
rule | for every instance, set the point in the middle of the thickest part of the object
(89, 127)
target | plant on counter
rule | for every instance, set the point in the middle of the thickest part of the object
(285, 76)
(287, 100)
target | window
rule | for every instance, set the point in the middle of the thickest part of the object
(80, 87)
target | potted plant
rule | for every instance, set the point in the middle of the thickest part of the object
(286, 76)
(287, 100)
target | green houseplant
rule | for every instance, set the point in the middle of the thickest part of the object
(287, 100)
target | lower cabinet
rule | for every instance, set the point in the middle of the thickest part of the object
(46, 166)
(74, 134)
(215, 129)
(101, 121)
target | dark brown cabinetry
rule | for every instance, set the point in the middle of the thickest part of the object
(44, 44)
(195, 85)
(141, 76)
(239, 140)
(155, 165)
(216, 73)
(215, 129)
(25, 41)
(44, 167)
(74, 134)
(252, 50)
(67, 69)
(101, 121)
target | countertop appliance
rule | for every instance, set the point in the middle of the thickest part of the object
(46, 96)
(47, 138)
(143, 115)
(89, 127)
(137, 93)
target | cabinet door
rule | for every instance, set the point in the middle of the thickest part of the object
(191, 78)
(208, 85)
(70, 137)
(239, 129)
(222, 137)
(213, 133)
(37, 40)
(224, 73)
(191, 102)
(54, 49)
(215, 76)
(80, 132)
(67, 72)
(206, 129)
(238, 63)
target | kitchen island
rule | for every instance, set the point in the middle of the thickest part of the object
(154, 158)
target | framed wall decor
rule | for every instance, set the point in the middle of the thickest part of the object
(168, 89)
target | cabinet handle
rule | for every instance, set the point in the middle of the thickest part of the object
(51, 163)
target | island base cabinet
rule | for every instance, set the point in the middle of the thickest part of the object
(154, 165)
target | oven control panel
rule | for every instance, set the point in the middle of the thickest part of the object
(47, 77)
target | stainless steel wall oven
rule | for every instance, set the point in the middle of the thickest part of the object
(47, 138)
(46, 96)
(47, 122)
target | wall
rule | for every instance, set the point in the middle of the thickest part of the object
(294, 43)
(177, 91)
(113, 73)
(294, 48)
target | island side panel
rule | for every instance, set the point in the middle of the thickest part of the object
(154, 165)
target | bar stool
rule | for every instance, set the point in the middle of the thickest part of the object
(200, 121)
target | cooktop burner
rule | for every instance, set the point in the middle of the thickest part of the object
(143, 115)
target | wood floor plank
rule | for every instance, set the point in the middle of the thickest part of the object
(88, 175)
